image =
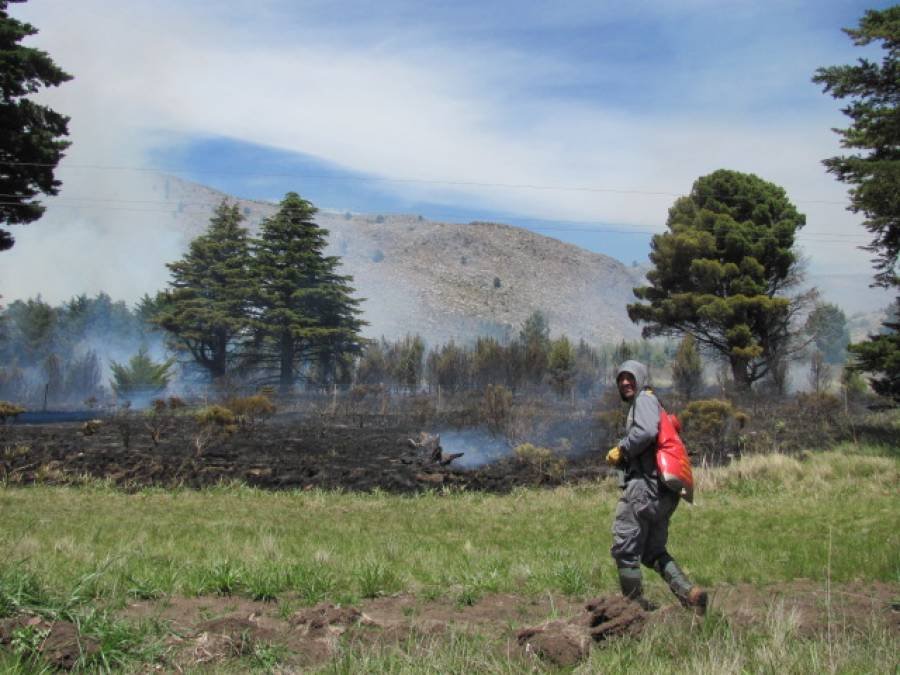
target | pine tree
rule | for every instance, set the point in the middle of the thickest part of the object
(305, 311)
(827, 325)
(534, 338)
(31, 142)
(721, 270)
(406, 361)
(207, 307)
(448, 367)
(880, 355)
(141, 375)
(687, 368)
(561, 365)
(873, 91)
(873, 172)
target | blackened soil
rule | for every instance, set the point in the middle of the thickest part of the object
(284, 454)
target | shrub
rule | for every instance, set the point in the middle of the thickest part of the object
(542, 460)
(8, 409)
(216, 416)
(215, 422)
(251, 411)
(707, 417)
(141, 375)
(160, 418)
(711, 425)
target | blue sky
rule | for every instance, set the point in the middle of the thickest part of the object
(582, 120)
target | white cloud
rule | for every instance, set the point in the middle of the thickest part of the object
(437, 112)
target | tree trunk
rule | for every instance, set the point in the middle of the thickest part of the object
(286, 378)
(217, 367)
(739, 373)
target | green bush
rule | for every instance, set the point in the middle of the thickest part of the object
(251, 411)
(711, 427)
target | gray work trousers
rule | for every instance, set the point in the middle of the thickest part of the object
(641, 526)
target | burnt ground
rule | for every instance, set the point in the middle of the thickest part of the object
(214, 630)
(286, 453)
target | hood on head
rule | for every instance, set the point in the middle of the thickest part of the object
(640, 372)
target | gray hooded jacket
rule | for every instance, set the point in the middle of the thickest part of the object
(641, 425)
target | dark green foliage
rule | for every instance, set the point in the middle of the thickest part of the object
(67, 334)
(687, 368)
(372, 367)
(561, 364)
(720, 270)
(880, 355)
(488, 362)
(449, 366)
(207, 308)
(623, 352)
(31, 331)
(873, 93)
(534, 337)
(35, 329)
(304, 309)
(827, 324)
(141, 376)
(30, 134)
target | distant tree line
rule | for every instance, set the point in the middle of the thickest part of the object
(51, 353)
(532, 361)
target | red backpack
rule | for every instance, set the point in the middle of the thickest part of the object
(671, 457)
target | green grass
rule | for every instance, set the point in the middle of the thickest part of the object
(764, 520)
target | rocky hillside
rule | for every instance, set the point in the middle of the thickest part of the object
(453, 280)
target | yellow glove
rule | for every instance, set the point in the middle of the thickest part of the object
(614, 456)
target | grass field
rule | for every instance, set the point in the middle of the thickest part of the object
(827, 521)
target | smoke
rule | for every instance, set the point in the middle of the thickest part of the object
(113, 238)
(62, 355)
(479, 447)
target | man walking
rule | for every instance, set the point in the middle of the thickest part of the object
(641, 526)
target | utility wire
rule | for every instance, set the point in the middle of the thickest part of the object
(424, 181)
(100, 204)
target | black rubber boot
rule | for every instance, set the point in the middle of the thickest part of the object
(687, 593)
(632, 587)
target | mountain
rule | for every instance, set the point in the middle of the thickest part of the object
(453, 280)
(442, 280)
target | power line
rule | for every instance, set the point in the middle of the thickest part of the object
(832, 238)
(365, 179)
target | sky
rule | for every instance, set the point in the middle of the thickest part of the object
(581, 120)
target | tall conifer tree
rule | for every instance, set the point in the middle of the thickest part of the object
(873, 171)
(207, 307)
(31, 135)
(305, 312)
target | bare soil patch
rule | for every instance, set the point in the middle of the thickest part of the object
(59, 643)
(557, 630)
